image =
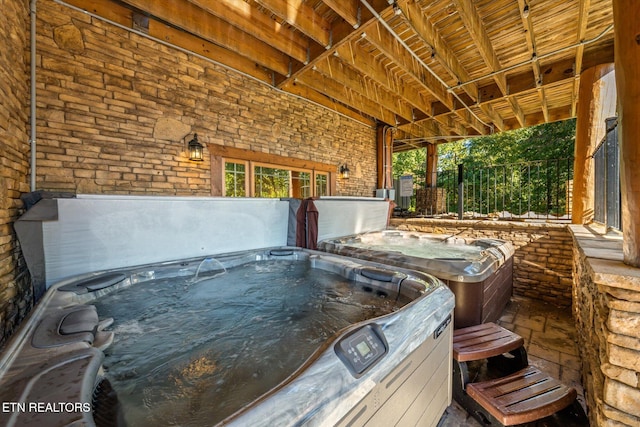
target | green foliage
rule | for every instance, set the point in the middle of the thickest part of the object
(542, 142)
(411, 162)
(516, 171)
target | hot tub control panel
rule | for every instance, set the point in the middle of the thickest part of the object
(361, 349)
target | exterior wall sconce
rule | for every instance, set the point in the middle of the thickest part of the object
(195, 149)
(344, 171)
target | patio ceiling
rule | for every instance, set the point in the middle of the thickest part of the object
(438, 70)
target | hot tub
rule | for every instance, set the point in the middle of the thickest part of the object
(478, 271)
(280, 336)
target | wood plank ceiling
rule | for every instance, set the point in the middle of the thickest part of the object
(437, 70)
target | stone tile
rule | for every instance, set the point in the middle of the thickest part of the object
(545, 365)
(455, 416)
(507, 317)
(555, 340)
(525, 333)
(570, 377)
(570, 361)
(543, 353)
(535, 322)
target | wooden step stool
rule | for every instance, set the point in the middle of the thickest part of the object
(525, 394)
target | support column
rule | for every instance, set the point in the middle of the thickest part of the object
(596, 102)
(627, 62)
(432, 166)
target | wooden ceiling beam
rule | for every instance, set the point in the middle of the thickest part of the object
(299, 15)
(583, 20)
(341, 36)
(240, 14)
(555, 114)
(471, 19)
(416, 19)
(496, 119)
(361, 60)
(349, 10)
(335, 90)
(191, 18)
(124, 16)
(451, 125)
(379, 37)
(530, 37)
(335, 69)
(320, 99)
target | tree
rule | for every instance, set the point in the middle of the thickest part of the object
(412, 162)
(502, 168)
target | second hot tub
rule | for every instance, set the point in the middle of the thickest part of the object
(478, 271)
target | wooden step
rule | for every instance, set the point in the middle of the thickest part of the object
(483, 341)
(522, 397)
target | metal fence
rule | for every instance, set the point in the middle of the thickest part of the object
(528, 190)
(607, 209)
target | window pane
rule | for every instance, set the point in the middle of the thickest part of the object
(234, 179)
(321, 185)
(301, 184)
(271, 182)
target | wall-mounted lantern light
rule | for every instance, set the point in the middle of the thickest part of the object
(344, 171)
(195, 149)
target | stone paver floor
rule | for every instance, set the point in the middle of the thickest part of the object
(551, 343)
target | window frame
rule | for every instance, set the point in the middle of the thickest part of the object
(221, 155)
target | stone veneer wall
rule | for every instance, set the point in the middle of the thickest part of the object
(114, 107)
(607, 313)
(543, 252)
(15, 293)
(112, 110)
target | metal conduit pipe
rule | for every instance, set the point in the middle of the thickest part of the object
(421, 62)
(188, 52)
(32, 119)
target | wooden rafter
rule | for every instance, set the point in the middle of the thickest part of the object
(349, 10)
(191, 18)
(361, 60)
(583, 20)
(426, 31)
(335, 90)
(348, 77)
(302, 17)
(478, 33)
(530, 37)
(379, 37)
(436, 72)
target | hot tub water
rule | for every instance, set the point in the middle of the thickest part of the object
(192, 353)
(429, 248)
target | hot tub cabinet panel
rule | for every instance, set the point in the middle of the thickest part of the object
(385, 370)
(482, 283)
(484, 301)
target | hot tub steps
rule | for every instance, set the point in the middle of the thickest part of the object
(493, 381)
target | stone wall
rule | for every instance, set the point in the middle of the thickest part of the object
(431, 201)
(542, 266)
(115, 106)
(15, 292)
(607, 314)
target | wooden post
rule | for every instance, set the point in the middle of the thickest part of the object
(432, 166)
(627, 62)
(596, 102)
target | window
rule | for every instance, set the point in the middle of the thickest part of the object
(322, 184)
(271, 182)
(235, 179)
(244, 173)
